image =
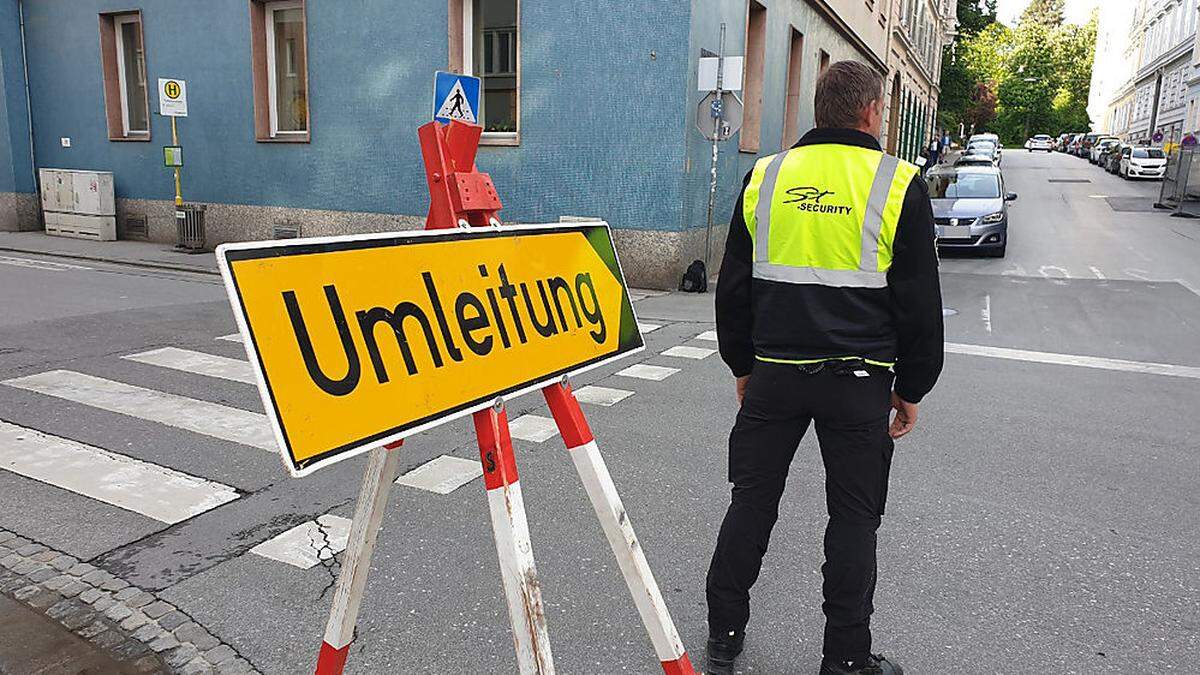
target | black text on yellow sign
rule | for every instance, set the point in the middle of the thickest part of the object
(361, 341)
(171, 89)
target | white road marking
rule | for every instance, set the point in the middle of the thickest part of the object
(1045, 271)
(602, 395)
(232, 337)
(1142, 275)
(442, 475)
(645, 371)
(710, 335)
(1098, 196)
(309, 543)
(157, 492)
(1016, 271)
(1096, 270)
(533, 428)
(1188, 286)
(648, 327)
(685, 352)
(199, 363)
(987, 312)
(39, 264)
(1101, 363)
(202, 417)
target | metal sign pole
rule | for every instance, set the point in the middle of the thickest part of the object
(175, 141)
(712, 182)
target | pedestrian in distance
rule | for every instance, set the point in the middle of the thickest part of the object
(935, 152)
(924, 160)
(828, 311)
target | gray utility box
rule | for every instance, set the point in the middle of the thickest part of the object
(78, 204)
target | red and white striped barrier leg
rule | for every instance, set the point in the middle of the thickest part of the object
(603, 493)
(518, 572)
(347, 596)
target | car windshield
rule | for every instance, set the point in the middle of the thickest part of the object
(954, 185)
(1041, 137)
(981, 146)
(1148, 153)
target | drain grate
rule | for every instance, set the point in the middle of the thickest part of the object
(135, 226)
(1070, 180)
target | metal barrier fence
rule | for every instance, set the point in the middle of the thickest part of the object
(1180, 191)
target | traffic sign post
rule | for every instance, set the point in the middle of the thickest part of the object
(172, 102)
(443, 368)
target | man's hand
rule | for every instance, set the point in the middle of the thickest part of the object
(905, 419)
(741, 387)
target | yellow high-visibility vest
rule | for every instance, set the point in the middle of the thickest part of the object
(826, 214)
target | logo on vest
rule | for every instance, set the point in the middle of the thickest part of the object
(809, 199)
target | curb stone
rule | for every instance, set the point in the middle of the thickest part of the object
(110, 613)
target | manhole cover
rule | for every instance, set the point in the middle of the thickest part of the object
(1130, 204)
(1070, 180)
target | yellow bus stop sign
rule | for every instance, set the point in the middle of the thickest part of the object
(362, 340)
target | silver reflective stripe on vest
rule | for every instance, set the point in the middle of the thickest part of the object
(872, 226)
(817, 275)
(762, 210)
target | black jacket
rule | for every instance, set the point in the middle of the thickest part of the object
(900, 323)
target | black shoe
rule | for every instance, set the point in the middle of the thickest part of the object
(875, 664)
(722, 651)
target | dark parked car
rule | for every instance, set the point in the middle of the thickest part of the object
(970, 208)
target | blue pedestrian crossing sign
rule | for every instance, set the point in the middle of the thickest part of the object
(455, 97)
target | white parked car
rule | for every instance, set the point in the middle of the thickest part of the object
(1040, 142)
(1143, 163)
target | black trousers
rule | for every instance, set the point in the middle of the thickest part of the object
(851, 414)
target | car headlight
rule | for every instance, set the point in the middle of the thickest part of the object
(993, 217)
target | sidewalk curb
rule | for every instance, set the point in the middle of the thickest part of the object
(124, 620)
(150, 264)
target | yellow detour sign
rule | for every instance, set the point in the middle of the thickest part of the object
(362, 340)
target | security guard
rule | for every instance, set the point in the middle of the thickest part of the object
(828, 294)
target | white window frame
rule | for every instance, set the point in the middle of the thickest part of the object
(119, 22)
(468, 41)
(269, 10)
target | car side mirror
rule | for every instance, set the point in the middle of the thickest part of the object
(1010, 197)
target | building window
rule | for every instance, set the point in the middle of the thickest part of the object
(822, 62)
(752, 79)
(485, 42)
(791, 109)
(123, 59)
(279, 50)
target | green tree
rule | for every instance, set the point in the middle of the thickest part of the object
(958, 81)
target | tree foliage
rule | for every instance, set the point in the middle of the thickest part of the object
(1020, 81)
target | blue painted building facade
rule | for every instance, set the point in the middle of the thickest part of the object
(607, 100)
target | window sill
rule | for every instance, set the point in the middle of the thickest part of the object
(135, 138)
(286, 138)
(500, 138)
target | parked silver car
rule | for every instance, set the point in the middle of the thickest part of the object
(970, 208)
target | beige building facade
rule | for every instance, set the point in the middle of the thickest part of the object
(918, 30)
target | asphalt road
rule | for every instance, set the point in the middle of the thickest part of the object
(1042, 518)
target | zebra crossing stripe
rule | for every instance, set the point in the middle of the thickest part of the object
(442, 475)
(710, 335)
(202, 417)
(686, 352)
(157, 492)
(199, 363)
(308, 543)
